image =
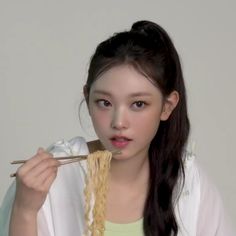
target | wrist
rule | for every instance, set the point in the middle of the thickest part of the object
(23, 222)
(25, 214)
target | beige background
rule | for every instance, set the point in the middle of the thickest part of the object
(45, 48)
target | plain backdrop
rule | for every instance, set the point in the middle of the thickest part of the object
(45, 48)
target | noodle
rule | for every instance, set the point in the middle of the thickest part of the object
(96, 189)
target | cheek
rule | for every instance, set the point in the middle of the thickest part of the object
(100, 120)
(148, 124)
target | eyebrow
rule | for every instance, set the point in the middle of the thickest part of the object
(136, 94)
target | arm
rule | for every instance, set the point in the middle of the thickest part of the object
(33, 182)
(23, 223)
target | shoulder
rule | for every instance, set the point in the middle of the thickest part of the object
(213, 218)
(74, 146)
(74, 171)
(197, 180)
(210, 214)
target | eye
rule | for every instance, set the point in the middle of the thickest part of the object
(139, 105)
(103, 103)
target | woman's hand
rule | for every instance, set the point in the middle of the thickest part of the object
(34, 180)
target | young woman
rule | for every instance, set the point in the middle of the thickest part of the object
(136, 98)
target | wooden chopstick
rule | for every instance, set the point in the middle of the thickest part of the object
(64, 160)
(74, 158)
(78, 158)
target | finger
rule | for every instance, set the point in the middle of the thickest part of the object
(43, 166)
(35, 182)
(49, 179)
(33, 195)
(34, 161)
(43, 182)
(35, 174)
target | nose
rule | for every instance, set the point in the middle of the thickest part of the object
(119, 119)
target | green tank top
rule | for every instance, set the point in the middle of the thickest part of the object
(130, 229)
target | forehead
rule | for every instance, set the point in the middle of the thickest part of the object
(124, 79)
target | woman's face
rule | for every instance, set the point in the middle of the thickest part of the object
(126, 109)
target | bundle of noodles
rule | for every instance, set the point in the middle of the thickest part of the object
(96, 189)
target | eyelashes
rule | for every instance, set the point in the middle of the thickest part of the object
(136, 105)
(102, 103)
(139, 104)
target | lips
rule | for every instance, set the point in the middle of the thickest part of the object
(120, 141)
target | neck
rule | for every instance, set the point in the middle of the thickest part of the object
(127, 189)
(129, 171)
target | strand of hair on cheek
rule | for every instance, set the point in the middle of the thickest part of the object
(96, 187)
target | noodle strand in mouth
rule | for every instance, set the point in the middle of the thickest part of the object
(96, 189)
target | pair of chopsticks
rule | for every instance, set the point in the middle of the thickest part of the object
(63, 160)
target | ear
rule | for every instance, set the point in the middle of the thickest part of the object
(169, 105)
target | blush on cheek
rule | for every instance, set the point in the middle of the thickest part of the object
(148, 125)
(99, 120)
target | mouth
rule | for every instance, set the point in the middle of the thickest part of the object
(120, 141)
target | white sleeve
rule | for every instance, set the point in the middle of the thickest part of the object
(5, 210)
(62, 213)
(212, 218)
(43, 229)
